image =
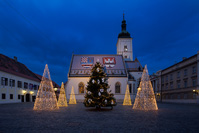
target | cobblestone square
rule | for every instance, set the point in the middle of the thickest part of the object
(21, 117)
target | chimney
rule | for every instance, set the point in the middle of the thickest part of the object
(15, 58)
(183, 58)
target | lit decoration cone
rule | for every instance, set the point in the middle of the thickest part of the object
(62, 101)
(127, 98)
(145, 98)
(72, 97)
(46, 98)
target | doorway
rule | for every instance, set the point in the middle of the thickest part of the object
(27, 97)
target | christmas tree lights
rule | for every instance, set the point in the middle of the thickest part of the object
(72, 97)
(62, 101)
(127, 98)
(145, 98)
(98, 95)
(46, 98)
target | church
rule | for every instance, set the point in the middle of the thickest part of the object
(121, 69)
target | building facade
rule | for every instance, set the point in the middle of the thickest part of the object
(178, 83)
(120, 68)
(17, 82)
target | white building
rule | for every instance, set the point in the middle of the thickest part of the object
(120, 68)
(17, 82)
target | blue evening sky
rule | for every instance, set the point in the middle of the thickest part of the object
(49, 31)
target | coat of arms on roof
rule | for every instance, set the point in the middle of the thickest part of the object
(87, 62)
(109, 62)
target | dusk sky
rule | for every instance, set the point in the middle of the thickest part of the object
(43, 32)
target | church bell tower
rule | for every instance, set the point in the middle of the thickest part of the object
(124, 43)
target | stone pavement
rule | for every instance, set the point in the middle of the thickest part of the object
(76, 118)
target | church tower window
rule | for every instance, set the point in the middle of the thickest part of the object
(81, 88)
(125, 48)
(117, 87)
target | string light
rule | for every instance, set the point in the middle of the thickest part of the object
(62, 101)
(46, 98)
(72, 97)
(127, 98)
(145, 98)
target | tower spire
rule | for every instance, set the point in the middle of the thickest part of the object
(124, 33)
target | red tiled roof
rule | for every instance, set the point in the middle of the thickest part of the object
(11, 66)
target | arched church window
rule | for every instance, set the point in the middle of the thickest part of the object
(117, 87)
(81, 88)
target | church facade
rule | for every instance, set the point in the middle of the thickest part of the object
(120, 68)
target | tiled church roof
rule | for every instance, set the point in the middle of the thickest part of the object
(133, 65)
(82, 64)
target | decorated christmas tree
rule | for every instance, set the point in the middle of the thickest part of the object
(127, 98)
(46, 98)
(98, 94)
(62, 101)
(145, 98)
(72, 97)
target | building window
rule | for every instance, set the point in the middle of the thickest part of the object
(185, 83)
(178, 96)
(171, 77)
(117, 87)
(19, 96)
(25, 85)
(4, 81)
(35, 87)
(178, 85)
(194, 70)
(130, 88)
(178, 75)
(162, 79)
(3, 96)
(167, 86)
(166, 78)
(11, 96)
(125, 48)
(81, 88)
(30, 86)
(12, 82)
(185, 72)
(185, 96)
(194, 82)
(125, 56)
(171, 85)
(19, 84)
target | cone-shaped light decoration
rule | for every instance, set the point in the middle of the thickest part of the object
(46, 98)
(127, 98)
(62, 101)
(145, 98)
(72, 97)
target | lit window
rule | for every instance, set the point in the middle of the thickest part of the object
(81, 87)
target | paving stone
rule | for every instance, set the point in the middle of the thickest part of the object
(21, 117)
